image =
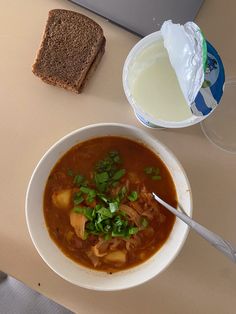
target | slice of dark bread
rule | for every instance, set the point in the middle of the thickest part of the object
(93, 66)
(72, 47)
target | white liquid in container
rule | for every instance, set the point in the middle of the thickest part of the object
(154, 85)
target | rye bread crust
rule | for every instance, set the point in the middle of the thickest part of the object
(71, 48)
(93, 66)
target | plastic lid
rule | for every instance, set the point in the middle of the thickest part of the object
(220, 126)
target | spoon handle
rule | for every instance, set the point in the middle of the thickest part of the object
(215, 240)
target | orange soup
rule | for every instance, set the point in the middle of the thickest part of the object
(98, 205)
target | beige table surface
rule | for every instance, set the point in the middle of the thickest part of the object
(34, 115)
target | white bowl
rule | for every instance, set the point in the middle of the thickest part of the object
(144, 117)
(68, 269)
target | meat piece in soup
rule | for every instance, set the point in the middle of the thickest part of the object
(98, 205)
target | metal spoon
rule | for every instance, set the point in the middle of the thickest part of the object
(214, 239)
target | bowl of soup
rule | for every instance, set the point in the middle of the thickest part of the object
(90, 211)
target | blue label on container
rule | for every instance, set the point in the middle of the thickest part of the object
(211, 91)
(145, 122)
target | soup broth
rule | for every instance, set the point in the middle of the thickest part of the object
(98, 205)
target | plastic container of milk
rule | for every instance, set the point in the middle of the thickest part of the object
(152, 87)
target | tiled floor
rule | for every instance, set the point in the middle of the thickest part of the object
(16, 298)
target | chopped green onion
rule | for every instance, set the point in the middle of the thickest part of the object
(103, 197)
(95, 232)
(133, 196)
(87, 190)
(102, 177)
(102, 187)
(118, 175)
(144, 222)
(79, 180)
(122, 213)
(78, 198)
(116, 159)
(86, 211)
(148, 170)
(114, 184)
(90, 199)
(104, 213)
(118, 222)
(114, 155)
(108, 164)
(107, 237)
(118, 234)
(133, 230)
(94, 212)
(70, 173)
(156, 177)
(90, 226)
(105, 219)
(107, 228)
(101, 181)
(90, 193)
(99, 226)
(97, 207)
(122, 192)
(153, 172)
(113, 207)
